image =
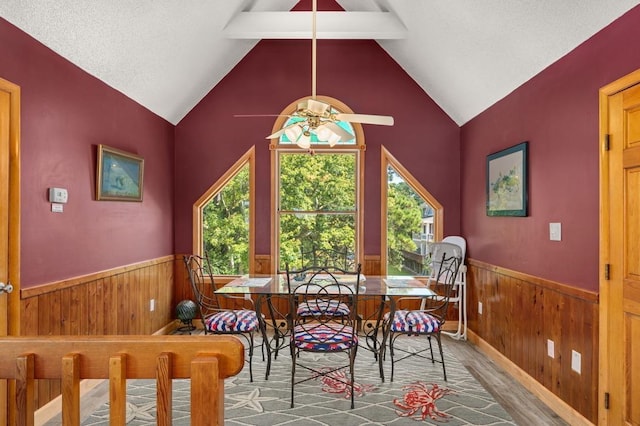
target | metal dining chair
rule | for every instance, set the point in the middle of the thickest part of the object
(216, 319)
(429, 319)
(320, 330)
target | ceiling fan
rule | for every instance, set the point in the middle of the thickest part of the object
(321, 118)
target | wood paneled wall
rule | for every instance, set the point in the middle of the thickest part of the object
(520, 312)
(110, 302)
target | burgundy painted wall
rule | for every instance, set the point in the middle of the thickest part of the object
(557, 112)
(65, 114)
(277, 72)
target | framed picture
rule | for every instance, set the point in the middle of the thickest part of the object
(119, 175)
(507, 182)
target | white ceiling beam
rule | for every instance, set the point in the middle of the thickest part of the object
(329, 25)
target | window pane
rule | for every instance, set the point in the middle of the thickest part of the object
(410, 225)
(306, 231)
(225, 227)
(320, 182)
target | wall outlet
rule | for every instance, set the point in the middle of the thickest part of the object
(576, 360)
(551, 348)
(152, 305)
(480, 308)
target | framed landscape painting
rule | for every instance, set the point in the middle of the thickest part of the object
(119, 175)
(507, 181)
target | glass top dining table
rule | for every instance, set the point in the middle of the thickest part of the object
(385, 289)
(389, 285)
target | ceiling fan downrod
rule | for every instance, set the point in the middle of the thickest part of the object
(313, 49)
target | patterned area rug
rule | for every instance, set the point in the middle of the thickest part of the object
(418, 394)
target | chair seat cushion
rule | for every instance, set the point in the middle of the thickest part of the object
(323, 307)
(405, 321)
(232, 321)
(324, 337)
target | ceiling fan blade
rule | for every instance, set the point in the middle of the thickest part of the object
(384, 120)
(344, 135)
(281, 131)
(276, 134)
(260, 115)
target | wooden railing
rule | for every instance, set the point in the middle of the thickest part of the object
(206, 360)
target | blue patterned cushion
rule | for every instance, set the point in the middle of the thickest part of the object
(232, 321)
(405, 321)
(323, 307)
(324, 337)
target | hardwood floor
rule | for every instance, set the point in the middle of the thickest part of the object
(522, 405)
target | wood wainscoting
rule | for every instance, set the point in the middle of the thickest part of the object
(112, 302)
(520, 313)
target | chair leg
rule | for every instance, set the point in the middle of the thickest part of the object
(293, 372)
(444, 369)
(250, 357)
(391, 339)
(380, 366)
(352, 361)
(431, 349)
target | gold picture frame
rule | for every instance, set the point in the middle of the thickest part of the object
(119, 175)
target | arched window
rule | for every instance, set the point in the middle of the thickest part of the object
(316, 192)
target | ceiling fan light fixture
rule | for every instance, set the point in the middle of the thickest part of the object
(324, 133)
(317, 107)
(293, 133)
(333, 140)
(304, 140)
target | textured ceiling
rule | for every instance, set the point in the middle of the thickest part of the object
(167, 55)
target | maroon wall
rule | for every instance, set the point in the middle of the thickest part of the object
(66, 113)
(277, 72)
(557, 112)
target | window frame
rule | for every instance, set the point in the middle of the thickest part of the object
(247, 159)
(277, 148)
(438, 210)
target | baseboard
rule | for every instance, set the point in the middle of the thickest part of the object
(54, 407)
(552, 401)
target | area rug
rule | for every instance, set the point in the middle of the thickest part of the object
(418, 394)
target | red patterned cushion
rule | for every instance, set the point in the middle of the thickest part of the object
(232, 321)
(324, 337)
(405, 321)
(323, 307)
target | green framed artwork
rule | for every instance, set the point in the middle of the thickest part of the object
(119, 175)
(507, 181)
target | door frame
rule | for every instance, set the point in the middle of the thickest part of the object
(14, 206)
(12, 319)
(607, 256)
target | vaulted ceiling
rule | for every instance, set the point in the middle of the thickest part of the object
(167, 55)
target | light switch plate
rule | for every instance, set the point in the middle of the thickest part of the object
(576, 361)
(551, 348)
(555, 231)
